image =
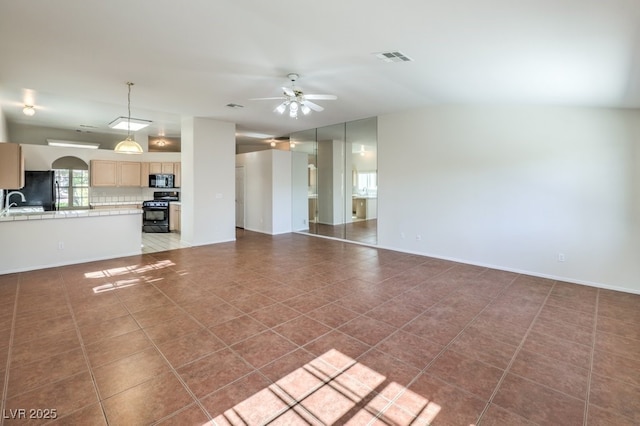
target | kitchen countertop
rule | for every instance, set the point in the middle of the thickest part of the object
(67, 214)
(115, 203)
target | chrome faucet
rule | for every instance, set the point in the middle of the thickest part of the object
(8, 202)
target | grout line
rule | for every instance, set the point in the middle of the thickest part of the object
(85, 355)
(592, 355)
(5, 394)
(447, 346)
(516, 353)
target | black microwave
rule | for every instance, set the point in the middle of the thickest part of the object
(161, 181)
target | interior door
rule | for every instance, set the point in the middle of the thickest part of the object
(240, 197)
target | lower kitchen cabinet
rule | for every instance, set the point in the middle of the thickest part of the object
(174, 216)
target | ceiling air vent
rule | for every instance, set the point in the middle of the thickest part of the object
(395, 56)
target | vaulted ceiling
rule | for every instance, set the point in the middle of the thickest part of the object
(71, 59)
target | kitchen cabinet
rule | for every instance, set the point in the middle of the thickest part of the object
(103, 173)
(144, 174)
(129, 173)
(366, 207)
(175, 216)
(11, 166)
(155, 168)
(167, 168)
(177, 171)
(115, 173)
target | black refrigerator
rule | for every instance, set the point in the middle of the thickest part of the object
(39, 190)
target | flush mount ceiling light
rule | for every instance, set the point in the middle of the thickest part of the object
(128, 146)
(72, 144)
(294, 99)
(123, 123)
(28, 110)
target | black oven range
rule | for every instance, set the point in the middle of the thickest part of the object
(155, 213)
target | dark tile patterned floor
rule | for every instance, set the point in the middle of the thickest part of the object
(293, 329)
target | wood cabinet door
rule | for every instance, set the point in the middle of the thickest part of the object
(144, 174)
(155, 168)
(129, 173)
(11, 166)
(177, 171)
(104, 173)
(167, 168)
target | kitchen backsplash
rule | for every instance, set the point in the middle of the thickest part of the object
(109, 195)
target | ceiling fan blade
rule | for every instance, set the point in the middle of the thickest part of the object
(288, 91)
(313, 106)
(267, 99)
(322, 97)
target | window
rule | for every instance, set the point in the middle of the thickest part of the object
(367, 183)
(73, 188)
(72, 178)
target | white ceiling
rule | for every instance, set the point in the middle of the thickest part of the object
(72, 58)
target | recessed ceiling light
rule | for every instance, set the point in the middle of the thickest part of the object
(134, 124)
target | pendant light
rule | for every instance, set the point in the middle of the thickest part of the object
(128, 146)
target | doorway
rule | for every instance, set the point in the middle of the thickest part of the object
(240, 197)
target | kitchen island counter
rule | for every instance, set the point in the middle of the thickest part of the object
(48, 239)
(67, 214)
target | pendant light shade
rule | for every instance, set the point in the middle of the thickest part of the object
(128, 146)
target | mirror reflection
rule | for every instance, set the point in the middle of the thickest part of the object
(342, 179)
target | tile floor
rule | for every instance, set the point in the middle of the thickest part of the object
(153, 242)
(362, 231)
(294, 329)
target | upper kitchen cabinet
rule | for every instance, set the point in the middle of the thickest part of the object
(177, 171)
(104, 173)
(155, 168)
(129, 173)
(162, 168)
(167, 168)
(144, 174)
(11, 166)
(116, 173)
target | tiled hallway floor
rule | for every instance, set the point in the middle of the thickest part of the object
(294, 329)
(161, 241)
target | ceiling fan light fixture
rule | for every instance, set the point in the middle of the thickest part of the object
(296, 100)
(281, 108)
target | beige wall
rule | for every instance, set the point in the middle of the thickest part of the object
(515, 187)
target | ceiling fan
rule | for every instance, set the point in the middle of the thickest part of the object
(296, 100)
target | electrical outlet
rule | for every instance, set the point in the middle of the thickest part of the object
(418, 237)
(560, 257)
(402, 235)
(60, 245)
